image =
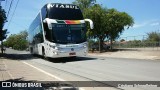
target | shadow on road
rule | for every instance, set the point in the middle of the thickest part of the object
(17, 56)
(53, 60)
(69, 59)
(126, 49)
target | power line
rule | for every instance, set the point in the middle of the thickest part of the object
(12, 17)
(13, 13)
(6, 5)
(10, 6)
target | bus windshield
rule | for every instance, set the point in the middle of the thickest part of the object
(65, 14)
(64, 34)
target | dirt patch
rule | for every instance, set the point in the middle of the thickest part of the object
(137, 54)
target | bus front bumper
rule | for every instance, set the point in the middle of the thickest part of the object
(69, 54)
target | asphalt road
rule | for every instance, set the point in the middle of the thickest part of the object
(93, 68)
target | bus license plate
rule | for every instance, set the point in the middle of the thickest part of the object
(73, 53)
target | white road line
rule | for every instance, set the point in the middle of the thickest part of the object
(49, 74)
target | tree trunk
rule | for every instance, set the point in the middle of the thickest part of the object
(111, 44)
(2, 46)
(100, 44)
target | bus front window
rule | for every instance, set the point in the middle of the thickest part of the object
(65, 14)
(64, 34)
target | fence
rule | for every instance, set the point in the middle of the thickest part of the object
(137, 42)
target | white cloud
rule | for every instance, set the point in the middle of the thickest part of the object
(146, 23)
(139, 25)
(155, 24)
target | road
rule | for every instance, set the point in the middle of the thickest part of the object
(92, 68)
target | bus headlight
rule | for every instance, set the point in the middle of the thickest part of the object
(85, 45)
(56, 53)
(52, 46)
(56, 48)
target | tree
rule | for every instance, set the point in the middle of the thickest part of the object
(2, 17)
(153, 36)
(122, 40)
(84, 4)
(17, 41)
(116, 22)
(2, 37)
(108, 23)
(2, 32)
(97, 14)
(94, 12)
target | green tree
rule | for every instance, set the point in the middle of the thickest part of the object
(153, 36)
(2, 32)
(97, 14)
(116, 22)
(108, 23)
(2, 17)
(90, 43)
(17, 41)
(122, 40)
(84, 4)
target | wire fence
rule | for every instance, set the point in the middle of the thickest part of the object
(137, 42)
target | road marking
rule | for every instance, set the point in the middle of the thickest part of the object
(49, 74)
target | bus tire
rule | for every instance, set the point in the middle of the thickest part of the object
(31, 50)
(43, 53)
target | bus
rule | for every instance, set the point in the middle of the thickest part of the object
(59, 30)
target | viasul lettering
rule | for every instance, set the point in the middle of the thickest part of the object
(64, 6)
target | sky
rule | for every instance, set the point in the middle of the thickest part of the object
(146, 14)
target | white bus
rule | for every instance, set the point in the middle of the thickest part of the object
(59, 30)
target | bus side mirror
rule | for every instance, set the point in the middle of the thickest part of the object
(49, 22)
(90, 22)
(45, 21)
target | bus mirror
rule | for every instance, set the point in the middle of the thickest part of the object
(44, 21)
(49, 22)
(90, 22)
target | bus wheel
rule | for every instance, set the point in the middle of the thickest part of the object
(43, 53)
(31, 50)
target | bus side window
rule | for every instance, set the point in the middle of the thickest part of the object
(40, 34)
(44, 13)
(45, 29)
(47, 32)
